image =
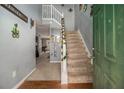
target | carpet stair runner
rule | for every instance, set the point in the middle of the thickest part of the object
(79, 66)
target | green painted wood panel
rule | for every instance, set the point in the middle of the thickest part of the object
(108, 43)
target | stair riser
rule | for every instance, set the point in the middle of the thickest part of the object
(78, 70)
(74, 42)
(78, 64)
(85, 68)
(70, 55)
(77, 54)
(83, 61)
(73, 39)
(82, 79)
(77, 57)
(74, 46)
(72, 32)
(76, 50)
(79, 74)
(72, 36)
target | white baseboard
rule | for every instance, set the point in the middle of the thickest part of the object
(89, 54)
(17, 85)
(55, 61)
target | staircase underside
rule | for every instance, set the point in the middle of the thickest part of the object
(79, 65)
(54, 23)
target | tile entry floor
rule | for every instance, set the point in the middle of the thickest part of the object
(45, 70)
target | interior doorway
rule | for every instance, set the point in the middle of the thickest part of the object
(45, 70)
(45, 45)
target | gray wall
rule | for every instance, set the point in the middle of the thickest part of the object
(69, 16)
(17, 56)
(83, 22)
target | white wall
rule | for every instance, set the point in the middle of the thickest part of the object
(69, 16)
(83, 22)
(17, 54)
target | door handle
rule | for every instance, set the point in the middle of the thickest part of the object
(93, 48)
(92, 57)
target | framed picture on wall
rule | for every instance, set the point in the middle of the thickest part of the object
(82, 7)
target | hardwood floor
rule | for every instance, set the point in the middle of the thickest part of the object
(54, 85)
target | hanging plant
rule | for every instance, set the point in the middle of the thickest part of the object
(15, 31)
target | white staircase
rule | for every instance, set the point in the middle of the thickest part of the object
(50, 15)
(53, 17)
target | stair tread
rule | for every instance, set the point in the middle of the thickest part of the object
(76, 49)
(74, 40)
(80, 79)
(72, 35)
(81, 65)
(76, 63)
(83, 70)
(71, 32)
(76, 44)
(76, 74)
(85, 61)
(77, 54)
(70, 39)
(71, 56)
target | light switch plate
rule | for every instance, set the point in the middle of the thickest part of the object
(14, 74)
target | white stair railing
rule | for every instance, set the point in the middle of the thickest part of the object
(64, 74)
(49, 12)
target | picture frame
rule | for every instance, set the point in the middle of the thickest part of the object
(82, 7)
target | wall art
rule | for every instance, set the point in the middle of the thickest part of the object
(15, 31)
(15, 11)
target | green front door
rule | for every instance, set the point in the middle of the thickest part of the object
(108, 43)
